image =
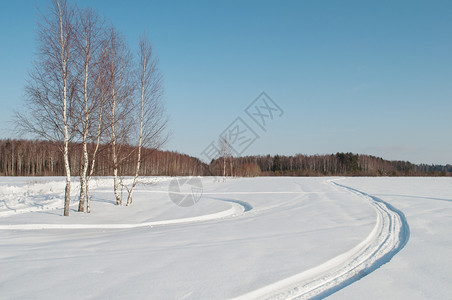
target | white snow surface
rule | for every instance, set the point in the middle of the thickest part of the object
(247, 238)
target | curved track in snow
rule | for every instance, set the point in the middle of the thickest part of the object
(388, 237)
(237, 208)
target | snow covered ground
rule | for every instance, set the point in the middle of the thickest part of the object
(423, 269)
(246, 238)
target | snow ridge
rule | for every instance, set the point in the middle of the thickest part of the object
(237, 208)
(390, 234)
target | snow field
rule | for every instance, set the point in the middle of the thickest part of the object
(247, 238)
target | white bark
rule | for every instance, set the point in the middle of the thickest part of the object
(152, 122)
(120, 94)
(114, 152)
(64, 61)
(85, 162)
(140, 140)
(224, 167)
(93, 161)
(223, 145)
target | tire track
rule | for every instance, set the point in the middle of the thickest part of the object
(390, 234)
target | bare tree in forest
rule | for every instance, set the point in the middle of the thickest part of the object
(152, 121)
(119, 102)
(102, 96)
(50, 88)
(231, 163)
(90, 44)
(225, 149)
(93, 159)
(228, 156)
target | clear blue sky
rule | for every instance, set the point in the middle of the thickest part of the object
(371, 77)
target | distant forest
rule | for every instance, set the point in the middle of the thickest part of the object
(43, 158)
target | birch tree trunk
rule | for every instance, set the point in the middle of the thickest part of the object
(120, 103)
(64, 36)
(143, 66)
(114, 152)
(151, 113)
(224, 167)
(224, 145)
(93, 161)
(91, 42)
(85, 162)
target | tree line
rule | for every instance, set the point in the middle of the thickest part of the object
(339, 164)
(44, 158)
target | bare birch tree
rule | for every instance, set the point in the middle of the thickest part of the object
(90, 44)
(51, 86)
(119, 102)
(226, 149)
(152, 121)
(97, 138)
(231, 163)
(224, 145)
(93, 159)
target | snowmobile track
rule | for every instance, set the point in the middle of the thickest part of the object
(390, 234)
